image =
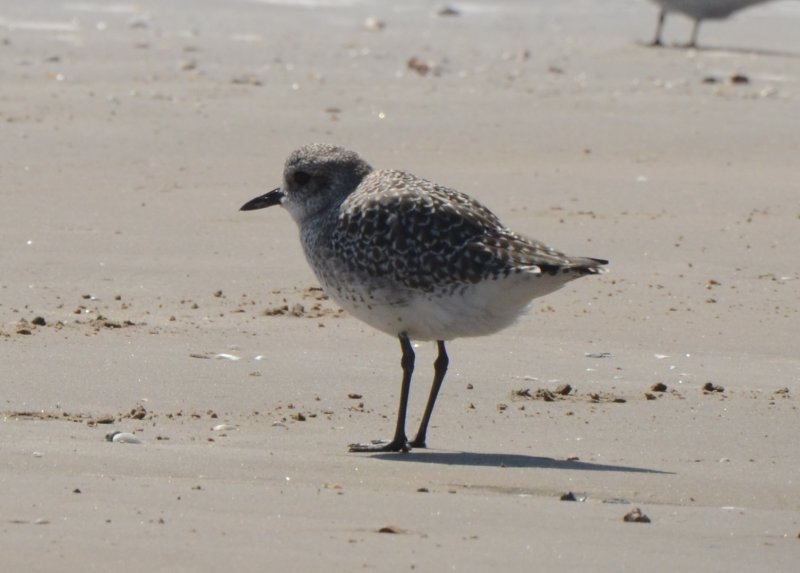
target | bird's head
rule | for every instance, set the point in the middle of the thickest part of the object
(316, 178)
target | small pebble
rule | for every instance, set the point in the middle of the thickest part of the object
(138, 413)
(448, 11)
(636, 516)
(373, 24)
(563, 389)
(740, 79)
(391, 529)
(418, 65)
(598, 355)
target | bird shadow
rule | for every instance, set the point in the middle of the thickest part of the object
(748, 51)
(722, 49)
(480, 459)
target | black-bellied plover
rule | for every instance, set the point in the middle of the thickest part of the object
(698, 10)
(413, 259)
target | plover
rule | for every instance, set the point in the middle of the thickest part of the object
(413, 259)
(698, 10)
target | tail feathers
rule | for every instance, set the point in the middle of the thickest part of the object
(577, 267)
(594, 266)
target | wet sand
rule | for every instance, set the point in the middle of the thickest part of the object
(136, 298)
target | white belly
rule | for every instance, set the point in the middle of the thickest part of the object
(474, 310)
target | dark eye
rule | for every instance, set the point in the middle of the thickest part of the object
(301, 177)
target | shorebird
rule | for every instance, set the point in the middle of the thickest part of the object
(698, 10)
(413, 259)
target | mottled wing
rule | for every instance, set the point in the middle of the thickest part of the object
(421, 235)
(525, 254)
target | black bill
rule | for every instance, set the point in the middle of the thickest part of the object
(274, 197)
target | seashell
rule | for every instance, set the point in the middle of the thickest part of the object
(224, 356)
(224, 428)
(123, 438)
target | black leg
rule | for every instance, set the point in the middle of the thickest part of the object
(659, 28)
(695, 31)
(439, 370)
(399, 443)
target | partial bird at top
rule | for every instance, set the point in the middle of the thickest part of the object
(698, 10)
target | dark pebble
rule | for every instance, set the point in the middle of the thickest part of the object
(636, 516)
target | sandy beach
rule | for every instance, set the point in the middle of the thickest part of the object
(136, 298)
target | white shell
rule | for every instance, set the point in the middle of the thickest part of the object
(224, 356)
(223, 427)
(123, 438)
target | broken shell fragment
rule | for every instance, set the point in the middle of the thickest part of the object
(123, 438)
(224, 428)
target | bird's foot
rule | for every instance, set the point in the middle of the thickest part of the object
(418, 443)
(381, 446)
